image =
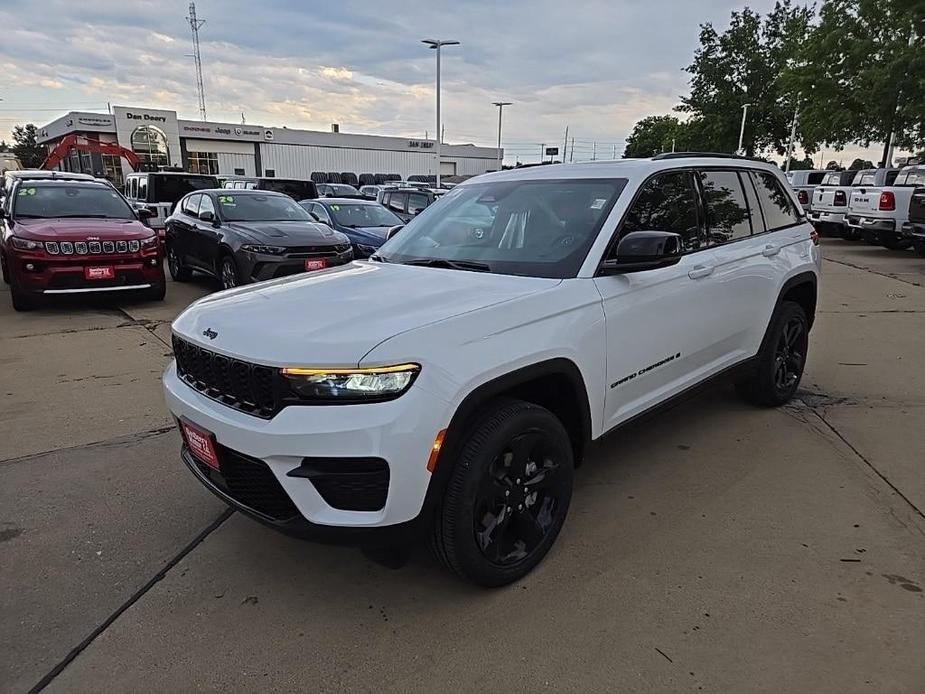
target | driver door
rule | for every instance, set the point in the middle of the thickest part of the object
(659, 329)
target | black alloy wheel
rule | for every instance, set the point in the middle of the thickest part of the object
(508, 495)
(228, 272)
(790, 354)
(775, 373)
(176, 269)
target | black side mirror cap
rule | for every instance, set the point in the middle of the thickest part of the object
(639, 251)
(207, 216)
(145, 213)
(394, 230)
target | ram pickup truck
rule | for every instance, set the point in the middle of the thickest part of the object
(877, 207)
(914, 229)
(804, 183)
(830, 202)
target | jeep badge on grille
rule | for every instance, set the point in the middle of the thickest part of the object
(209, 333)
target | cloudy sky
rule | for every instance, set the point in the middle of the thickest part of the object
(596, 66)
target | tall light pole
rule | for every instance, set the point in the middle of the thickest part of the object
(500, 105)
(436, 45)
(742, 129)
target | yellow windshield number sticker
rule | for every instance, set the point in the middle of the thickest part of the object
(226, 200)
(27, 191)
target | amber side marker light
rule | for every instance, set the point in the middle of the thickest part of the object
(435, 451)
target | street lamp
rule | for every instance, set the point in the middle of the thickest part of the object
(500, 105)
(436, 45)
(742, 129)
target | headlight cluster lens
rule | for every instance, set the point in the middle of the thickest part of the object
(256, 248)
(357, 385)
(149, 242)
(26, 244)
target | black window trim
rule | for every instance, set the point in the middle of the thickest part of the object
(701, 209)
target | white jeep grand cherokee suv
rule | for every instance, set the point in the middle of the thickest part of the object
(448, 386)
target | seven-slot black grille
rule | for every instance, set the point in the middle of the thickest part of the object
(250, 388)
(250, 482)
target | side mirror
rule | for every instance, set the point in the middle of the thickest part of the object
(644, 250)
(207, 216)
(145, 214)
(394, 230)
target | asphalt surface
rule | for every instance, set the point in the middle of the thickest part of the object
(716, 547)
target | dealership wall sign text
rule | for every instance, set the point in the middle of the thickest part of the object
(145, 116)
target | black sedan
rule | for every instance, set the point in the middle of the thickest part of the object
(242, 236)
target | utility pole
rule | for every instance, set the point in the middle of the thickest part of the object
(793, 135)
(500, 105)
(594, 150)
(542, 153)
(742, 129)
(572, 155)
(614, 152)
(565, 145)
(436, 45)
(195, 24)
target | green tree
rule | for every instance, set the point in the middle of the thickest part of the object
(4, 147)
(656, 134)
(861, 74)
(25, 146)
(859, 164)
(797, 165)
(833, 166)
(745, 64)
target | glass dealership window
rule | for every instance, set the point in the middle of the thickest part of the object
(112, 169)
(150, 144)
(203, 163)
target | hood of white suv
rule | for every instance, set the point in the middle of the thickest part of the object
(334, 317)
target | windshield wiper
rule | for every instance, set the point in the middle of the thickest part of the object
(450, 264)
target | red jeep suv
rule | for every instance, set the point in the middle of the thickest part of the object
(61, 235)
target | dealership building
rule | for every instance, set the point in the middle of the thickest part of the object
(159, 138)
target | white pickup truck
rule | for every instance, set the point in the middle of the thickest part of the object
(830, 202)
(879, 206)
(803, 182)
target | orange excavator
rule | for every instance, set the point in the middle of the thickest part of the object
(82, 144)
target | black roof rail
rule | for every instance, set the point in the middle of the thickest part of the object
(702, 155)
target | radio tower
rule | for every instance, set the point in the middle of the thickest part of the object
(194, 25)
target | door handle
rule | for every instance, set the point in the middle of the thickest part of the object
(769, 250)
(699, 271)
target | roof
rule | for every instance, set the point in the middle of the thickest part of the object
(343, 201)
(622, 168)
(40, 174)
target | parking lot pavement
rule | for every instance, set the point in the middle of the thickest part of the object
(716, 546)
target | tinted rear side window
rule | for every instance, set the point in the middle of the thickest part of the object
(775, 203)
(815, 178)
(172, 188)
(667, 202)
(297, 190)
(727, 211)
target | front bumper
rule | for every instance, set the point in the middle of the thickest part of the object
(42, 274)
(820, 217)
(400, 432)
(260, 266)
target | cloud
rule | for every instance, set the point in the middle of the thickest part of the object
(595, 66)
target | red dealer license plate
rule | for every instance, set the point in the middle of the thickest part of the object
(201, 444)
(99, 273)
(315, 264)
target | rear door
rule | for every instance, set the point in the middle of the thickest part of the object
(188, 215)
(207, 235)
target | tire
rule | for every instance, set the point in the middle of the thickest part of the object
(894, 243)
(178, 272)
(871, 237)
(155, 293)
(22, 301)
(3, 270)
(919, 247)
(849, 234)
(778, 368)
(485, 530)
(228, 275)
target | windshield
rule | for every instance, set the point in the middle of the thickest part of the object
(363, 215)
(537, 228)
(172, 188)
(298, 190)
(261, 208)
(70, 201)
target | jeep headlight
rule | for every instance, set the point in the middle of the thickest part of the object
(347, 385)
